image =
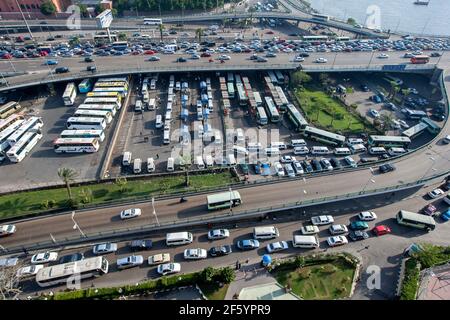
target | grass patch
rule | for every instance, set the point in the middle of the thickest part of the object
(411, 280)
(323, 111)
(320, 281)
(213, 291)
(16, 204)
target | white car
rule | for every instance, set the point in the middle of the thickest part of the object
(298, 167)
(367, 216)
(277, 246)
(301, 150)
(130, 261)
(338, 229)
(435, 193)
(326, 164)
(224, 57)
(322, 220)
(383, 56)
(169, 268)
(337, 241)
(7, 229)
(130, 213)
(403, 124)
(195, 57)
(103, 248)
(218, 234)
(287, 159)
(194, 254)
(158, 259)
(321, 60)
(350, 161)
(374, 113)
(299, 59)
(289, 170)
(29, 270)
(44, 257)
(279, 169)
(310, 229)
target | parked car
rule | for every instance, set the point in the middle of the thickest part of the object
(218, 234)
(248, 244)
(322, 220)
(168, 268)
(309, 229)
(194, 254)
(435, 193)
(277, 246)
(430, 210)
(158, 259)
(279, 169)
(103, 248)
(220, 251)
(338, 229)
(44, 257)
(29, 270)
(71, 258)
(367, 216)
(130, 261)
(446, 215)
(7, 230)
(358, 235)
(358, 225)
(337, 241)
(137, 245)
(381, 230)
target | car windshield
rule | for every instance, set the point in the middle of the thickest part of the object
(46, 255)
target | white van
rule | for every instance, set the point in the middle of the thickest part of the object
(150, 165)
(170, 98)
(158, 121)
(169, 106)
(152, 104)
(301, 150)
(199, 115)
(146, 97)
(209, 161)
(279, 145)
(309, 242)
(240, 150)
(166, 138)
(342, 151)
(178, 238)
(352, 141)
(167, 125)
(240, 135)
(265, 232)
(377, 150)
(138, 106)
(231, 160)
(168, 115)
(319, 150)
(126, 161)
(272, 152)
(298, 143)
(396, 151)
(199, 162)
(137, 165)
(356, 148)
(170, 164)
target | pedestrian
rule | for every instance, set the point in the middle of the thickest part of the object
(157, 156)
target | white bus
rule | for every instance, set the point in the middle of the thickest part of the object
(122, 91)
(99, 134)
(261, 116)
(113, 79)
(116, 101)
(22, 147)
(223, 200)
(377, 150)
(94, 114)
(4, 144)
(103, 94)
(5, 123)
(75, 145)
(31, 124)
(66, 272)
(80, 123)
(70, 94)
(152, 21)
(105, 107)
(416, 220)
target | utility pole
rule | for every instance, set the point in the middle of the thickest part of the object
(76, 226)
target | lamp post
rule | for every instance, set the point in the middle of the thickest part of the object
(154, 211)
(76, 226)
(371, 57)
(24, 19)
(369, 180)
(231, 201)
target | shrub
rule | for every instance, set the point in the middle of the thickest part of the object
(207, 274)
(328, 269)
(304, 273)
(299, 261)
(226, 275)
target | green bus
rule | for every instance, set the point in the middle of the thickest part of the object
(416, 220)
(224, 200)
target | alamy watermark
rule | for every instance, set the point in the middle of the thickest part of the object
(373, 17)
(73, 22)
(374, 279)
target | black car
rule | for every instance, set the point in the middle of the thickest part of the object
(181, 59)
(172, 32)
(303, 54)
(141, 245)
(89, 59)
(308, 168)
(435, 54)
(71, 258)
(220, 251)
(387, 167)
(364, 88)
(316, 165)
(336, 163)
(358, 235)
(91, 68)
(62, 70)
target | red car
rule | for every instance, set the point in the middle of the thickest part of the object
(7, 56)
(149, 52)
(135, 53)
(429, 210)
(269, 32)
(381, 230)
(205, 55)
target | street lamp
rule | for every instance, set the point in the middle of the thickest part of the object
(370, 179)
(154, 211)
(76, 226)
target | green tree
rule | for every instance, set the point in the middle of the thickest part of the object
(74, 41)
(122, 36)
(208, 274)
(199, 34)
(393, 90)
(351, 21)
(405, 93)
(48, 8)
(387, 120)
(121, 183)
(298, 78)
(86, 195)
(83, 9)
(67, 176)
(227, 275)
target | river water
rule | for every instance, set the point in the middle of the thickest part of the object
(397, 15)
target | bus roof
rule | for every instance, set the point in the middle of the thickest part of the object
(224, 196)
(390, 139)
(325, 133)
(417, 217)
(411, 132)
(74, 140)
(70, 268)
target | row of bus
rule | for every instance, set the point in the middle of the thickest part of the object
(18, 136)
(85, 129)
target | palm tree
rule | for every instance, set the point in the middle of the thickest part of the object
(161, 28)
(388, 120)
(199, 34)
(393, 89)
(67, 176)
(405, 93)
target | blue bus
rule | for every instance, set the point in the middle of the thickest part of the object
(85, 86)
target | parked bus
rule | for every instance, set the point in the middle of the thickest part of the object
(272, 111)
(94, 114)
(85, 86)
(415, 131)
(117, 101)
(9, 108)
(103, 94)
(321, 17)
(105, 107)
(223, 200)
(261, 116)
(120, 45)
(120, 90)
(279, 76)
(415, 114)
(315, 38)
(230, 87)
(416, 220)
(5, 123)
(283, 99)
(389, 141)
(98, 134)
(432, 128)
(258, 99)
(104, 38)
(152, 21)
(422, 59)
(31, 124)
(4, 144)
(242, 96)
(296, 118)
(323, 136)
(272, 76)
(114, 79)
(22, 147)
(66, 273)
(76, 145)
(70, 94)
(79, 123)
(230, 77)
